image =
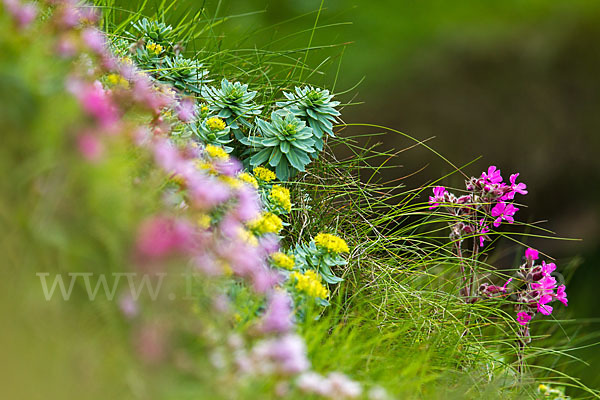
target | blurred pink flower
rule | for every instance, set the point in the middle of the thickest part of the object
(90, 147)
(186, 110)
(278, 317)
(23, 13)
(161, 236)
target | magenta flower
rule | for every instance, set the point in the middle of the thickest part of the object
(543, 306)
(492, 175)
(548, 268)
(523, 318)
(515, 188)
(503, 211)
(531, 254)
(484, 229)
(561, 295)
(439, 193)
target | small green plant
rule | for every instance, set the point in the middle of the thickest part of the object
(233, 102)
(315, 106)
(284, 143)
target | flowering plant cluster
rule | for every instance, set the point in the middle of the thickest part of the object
(486, 203)
(225, 220)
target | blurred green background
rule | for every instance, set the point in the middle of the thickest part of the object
(515, 82)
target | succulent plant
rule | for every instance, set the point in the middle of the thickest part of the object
(233, 102)
(213, 131)
(314, 105)
(152, 31)
(185, 74)
(285, 143)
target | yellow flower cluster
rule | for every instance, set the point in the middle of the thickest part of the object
(204, 109)
(231, 181)
(204, 221)
(117, 80)
(247, 237)
(249, 179)
(281, 196)
(215, 124)
(264, 174)
(154, 48)
(282, 260)
(331, 243)
(267, 223)
(216, 152)
(310, 283)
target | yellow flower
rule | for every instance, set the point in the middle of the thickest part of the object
(331, 243)
(178, 179)
(154, 48)
(248, 237)
(267, 223)
(205, 166)
(282, 260)
(215, 124)
(264, 174)
(117, 80)
(216, 152)
(204, 221)
(246, 177)
(231, 181)
(281, 196)
(204, 110)
(310, 283)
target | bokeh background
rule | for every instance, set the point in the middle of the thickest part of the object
(512, 83)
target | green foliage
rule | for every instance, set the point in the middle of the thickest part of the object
(315, 106)
(152, 31)
(284, 143)
(233, 102)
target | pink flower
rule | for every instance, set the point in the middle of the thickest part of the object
(548, 268)
(95, 101)
(523, 318)
(278, 317)
(90, 147)
(515, 188)
(531, 254)
(503, 211)
(492, 176)
(23, 13)
(439, 193)
(161, 236)
(543, 306)
(561, 295)
(186, 110)
(285, 355)
(482, 232)
(95, 40)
